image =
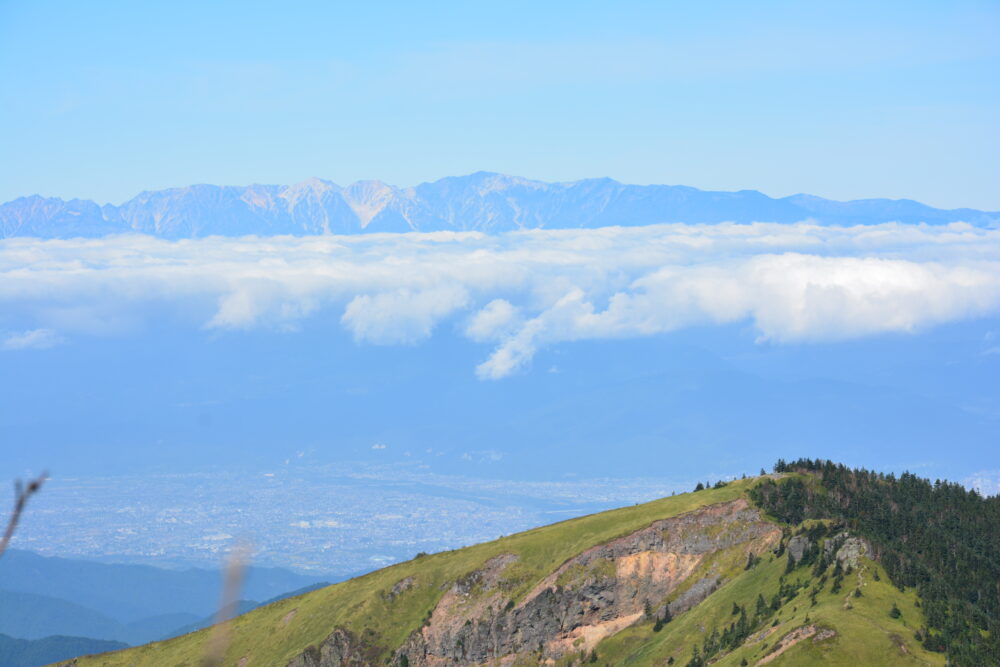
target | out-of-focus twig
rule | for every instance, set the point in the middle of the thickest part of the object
(232, 584)
(21, 495)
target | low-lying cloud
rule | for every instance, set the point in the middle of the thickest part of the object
(516, 292)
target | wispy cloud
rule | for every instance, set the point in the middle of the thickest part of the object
(36, 339)
(986, 482)
(521, 291)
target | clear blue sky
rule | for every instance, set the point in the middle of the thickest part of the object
(845, 100)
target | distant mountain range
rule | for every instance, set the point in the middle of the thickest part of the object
(483, 201)
(33, 652)
(41, 596)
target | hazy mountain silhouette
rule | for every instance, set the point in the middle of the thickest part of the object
(482, 201)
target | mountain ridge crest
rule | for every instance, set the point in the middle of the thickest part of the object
(483, 201)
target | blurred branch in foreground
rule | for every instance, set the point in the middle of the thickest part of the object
(233, 575)
(21, 495)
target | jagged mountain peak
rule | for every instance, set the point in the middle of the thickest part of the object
(315, 188)
(369, 199)
(369, 188)
(314, 183)
(484, 201)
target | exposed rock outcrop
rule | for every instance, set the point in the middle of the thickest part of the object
(798, 546)
(341, 649)
(399, 588)
(593, 595)
(853, 549)
(847, 549)
(794, 637)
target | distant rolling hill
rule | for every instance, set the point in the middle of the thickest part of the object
(42, 596)
(818, 564)
(29, 616)
(34, 652)
(38, 617)
(483, 201)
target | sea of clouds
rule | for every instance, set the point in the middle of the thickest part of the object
(514, 292)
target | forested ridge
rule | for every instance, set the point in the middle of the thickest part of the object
(938, 537)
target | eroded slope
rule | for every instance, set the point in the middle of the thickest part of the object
(675, 581)
(365, 619)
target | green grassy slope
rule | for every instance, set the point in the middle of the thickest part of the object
(865, 632)
(848, 629)
(274, 634)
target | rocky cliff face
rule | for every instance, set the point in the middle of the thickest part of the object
(674, 562)
(340, 649)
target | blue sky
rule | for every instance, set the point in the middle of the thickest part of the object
(846, 100)
(680, 352)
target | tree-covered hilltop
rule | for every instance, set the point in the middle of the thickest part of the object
(938, 537)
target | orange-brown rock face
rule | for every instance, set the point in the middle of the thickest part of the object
(591, 596)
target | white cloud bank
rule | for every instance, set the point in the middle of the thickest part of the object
(520, 291)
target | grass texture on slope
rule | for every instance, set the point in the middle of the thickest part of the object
(274, 634)
(865, 633)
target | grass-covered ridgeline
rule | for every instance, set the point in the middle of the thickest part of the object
(274, 634)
